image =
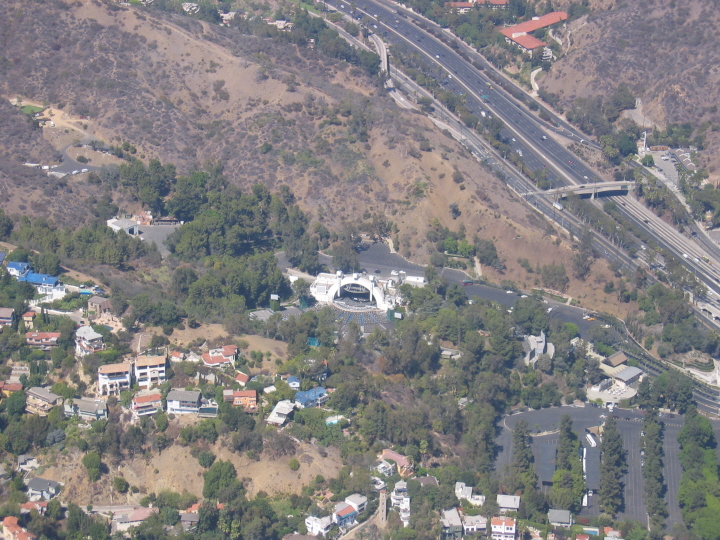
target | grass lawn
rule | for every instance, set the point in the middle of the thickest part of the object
(309, 7)
(31, 109)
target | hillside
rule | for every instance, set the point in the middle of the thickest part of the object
(190, 93)
(665, 51)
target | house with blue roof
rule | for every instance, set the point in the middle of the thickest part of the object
(311, 398)
(45, 284)
(293, 382)
(18, 269)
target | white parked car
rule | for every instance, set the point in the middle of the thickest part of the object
(550, 309)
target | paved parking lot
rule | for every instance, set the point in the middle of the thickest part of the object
(630, 425)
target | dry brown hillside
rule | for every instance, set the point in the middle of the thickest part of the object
(666, 51)
(188, 92)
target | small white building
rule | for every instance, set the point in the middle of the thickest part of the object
(126, 225)
(399, 499)
(114, 378)
(463, 492)
(318, 526)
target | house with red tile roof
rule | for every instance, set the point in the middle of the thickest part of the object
(242, 378)
(520, 34)
(225, 355)
(13, 531)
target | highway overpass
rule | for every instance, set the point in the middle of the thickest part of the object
(595, 189)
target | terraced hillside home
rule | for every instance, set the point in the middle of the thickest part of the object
(18, 269)
(502, 528)
(150, 371)
(88, 341)
(29, 319)
(146, 402)
(13, 531)
(40, 488)
(42, 340)
(114, 378)
(41, 400)
(86, 409)
(183, 401)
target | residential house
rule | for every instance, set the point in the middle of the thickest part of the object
(38, 488)
(317, 526)
(99, 305)
(452, 527)
(7, 316)
(508, 503)
(126, 225)
(405, 467)
(474, 524)
(502, 528)
(27, 463)
(42, 340)
(463, 492)
(29, 319)
(8, 388)
(38, 506)
(535, 347)
(428, 481)
(400, 499)
(385, 468)
(45, 284)
(150, 371)
(247, 399)
(183, 401)
(293, 382)
(281, 413)
(88, 341)
(242, 378)
(40, 400)
(114, 378)
(560, 518)
(146, 403)
(18, 269)
(461, 7)
(86, 409)
(133, 518)
(222, 356)
(189, 520)
(269, 389)
(357, 501)
(13, 531)
(344, 515)
(177, 357)
(314, 397)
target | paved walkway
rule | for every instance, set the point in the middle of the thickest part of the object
(534, 85)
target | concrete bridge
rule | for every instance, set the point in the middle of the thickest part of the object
(595, 189)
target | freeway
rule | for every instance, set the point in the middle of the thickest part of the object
(463, 78)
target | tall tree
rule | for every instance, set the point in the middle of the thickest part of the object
(612, 467)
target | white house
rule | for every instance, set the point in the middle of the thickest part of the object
(463, 492)
(150, 371)
(183, 401)
(114, 378)
(318, 526)
(88, 341)
(357, 501)
(508, 503)
(399, 499)
(281, 412)
(560, 518)
(503, 528)
(86, 409)
(146, 403)
(474, 524)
